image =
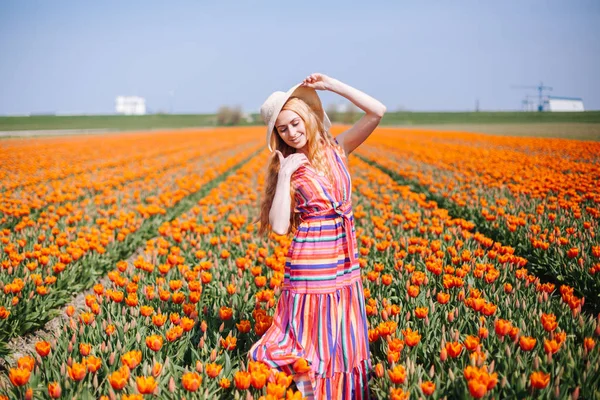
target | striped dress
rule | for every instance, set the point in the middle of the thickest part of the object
(320, 315)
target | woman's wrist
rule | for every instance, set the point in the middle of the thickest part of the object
(334, 85)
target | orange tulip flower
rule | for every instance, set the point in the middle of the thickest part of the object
(397, 374)
(213, 370)
(77, 371)
(93, 363)
(42, 348)
(132, 358)
(19, 376)
(242, 380)
(118, 380)
(54, 390)
(411, 338)
(191, 381)
(225, 313)
(243, 326)
(527, 343)
(154, 342)
(454, 349)
(428, 388)
(539, 380)
(301, 366)
(146, 385)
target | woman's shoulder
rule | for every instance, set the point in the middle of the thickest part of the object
(299, 176)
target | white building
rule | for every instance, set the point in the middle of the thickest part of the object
(130, 105)
(554, 103)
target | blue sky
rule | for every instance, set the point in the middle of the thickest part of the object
(77, 56)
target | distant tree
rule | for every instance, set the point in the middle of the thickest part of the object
(236, 115)
(351, 114)
(333, 112)
(229, 115)
(223, 115)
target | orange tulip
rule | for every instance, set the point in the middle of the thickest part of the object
(258, 379)
(379, 371)
(428, 388)
(77, 371)
(477, 388)
(110, 329)
(93, 363)
(413, 291)
(442, 297)
(42, 348)
(19, 376)
(146, 385)
(551, 346)
(54, 390)
(118, 380)
(471, 342)
(187, 324)
(26, 362)
(146, 311)
(242, 380)
(502, 327)
(132, 358)
(229, 343)
(454, 349)
(589, 343)
(191, 381)
(527, 343)
(539, 380)
(301, 366)
(225, 313)
(159, 319)
(85, 348)
(549, 322)
(213, 370)
(397, 374)
(411, 338)
(154, 342)
(243, 326)
(421, 312)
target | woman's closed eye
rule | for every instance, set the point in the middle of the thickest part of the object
(283, 130)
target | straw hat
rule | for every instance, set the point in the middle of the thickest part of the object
(274, 103)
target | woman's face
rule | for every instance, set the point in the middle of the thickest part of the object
(290, 127)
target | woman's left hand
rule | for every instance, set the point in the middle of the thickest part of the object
(317, 81)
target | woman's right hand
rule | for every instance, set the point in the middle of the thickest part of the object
(288, 165)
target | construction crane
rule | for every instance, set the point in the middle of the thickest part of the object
(540, 88)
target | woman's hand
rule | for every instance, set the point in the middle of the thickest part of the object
(288, 165)
(317, 81)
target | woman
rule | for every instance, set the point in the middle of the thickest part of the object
(319, 330)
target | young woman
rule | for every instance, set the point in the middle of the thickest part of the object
(319, 330)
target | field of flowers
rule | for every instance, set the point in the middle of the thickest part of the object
(459, 304)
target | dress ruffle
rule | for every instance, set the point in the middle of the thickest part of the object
(330, 332)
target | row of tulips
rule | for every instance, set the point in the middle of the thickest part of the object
(22, 204)
(49, 259)
(28, 162)
(452, 313)
(541, 196)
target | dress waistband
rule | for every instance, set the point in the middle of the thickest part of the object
(343, 210)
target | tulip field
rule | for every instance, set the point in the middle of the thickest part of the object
(131, 267)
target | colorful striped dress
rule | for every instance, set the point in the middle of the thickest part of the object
(320, 315)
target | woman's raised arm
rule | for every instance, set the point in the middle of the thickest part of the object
(374, 109)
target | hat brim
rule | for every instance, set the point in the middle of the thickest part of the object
(310, 97)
